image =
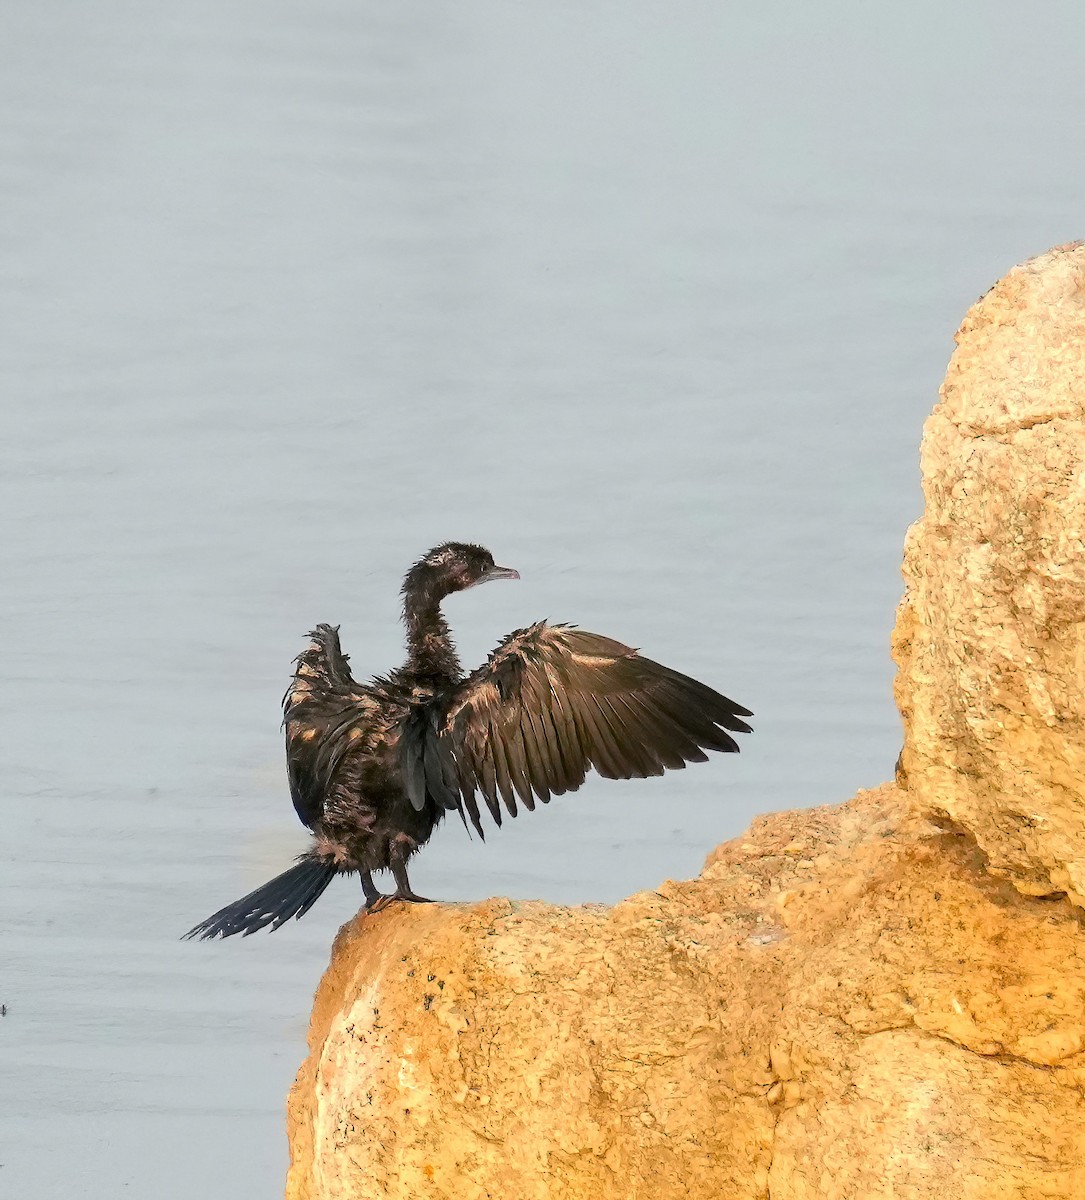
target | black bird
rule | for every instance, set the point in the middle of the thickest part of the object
(373, 768)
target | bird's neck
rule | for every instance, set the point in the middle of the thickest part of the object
(430, 650)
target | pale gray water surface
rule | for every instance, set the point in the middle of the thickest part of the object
(652, 300)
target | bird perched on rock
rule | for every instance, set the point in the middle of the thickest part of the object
(374, 767)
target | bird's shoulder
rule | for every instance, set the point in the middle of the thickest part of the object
(399, 693)
(505, 662)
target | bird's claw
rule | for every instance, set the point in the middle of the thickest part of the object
(383, 902)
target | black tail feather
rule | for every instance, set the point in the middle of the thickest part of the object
(290, 894)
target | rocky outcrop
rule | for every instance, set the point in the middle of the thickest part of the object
(845, 1004)
(883, 999)
(990, 636)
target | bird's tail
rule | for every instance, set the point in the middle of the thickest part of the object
(290, 894)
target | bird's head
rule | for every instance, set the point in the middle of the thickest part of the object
(452, 567)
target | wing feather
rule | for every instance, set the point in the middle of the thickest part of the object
(323, 711)
(600, 746)
(553, 702)
(537, 767)
(471, 804)
(511, 740)
(547, 773)
(568, 740)
(490, 777)
(657, 735)
(634, 740)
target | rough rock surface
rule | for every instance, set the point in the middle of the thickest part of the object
(990, 636)
(845, 1004)
(880, 1000)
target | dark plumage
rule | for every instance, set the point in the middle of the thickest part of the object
(373, 768)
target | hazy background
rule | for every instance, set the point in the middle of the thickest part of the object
(651, 300)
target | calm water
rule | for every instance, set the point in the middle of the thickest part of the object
(651, 301)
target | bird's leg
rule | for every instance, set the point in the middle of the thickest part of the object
(373, 897)
(399, 850)
(403, 886)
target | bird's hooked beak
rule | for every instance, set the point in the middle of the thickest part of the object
(499, 573)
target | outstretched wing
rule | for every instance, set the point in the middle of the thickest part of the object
(550, 703)
(324, 710)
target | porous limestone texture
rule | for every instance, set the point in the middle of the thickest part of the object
(990, 636)
(879, 1001)
(844, 1005)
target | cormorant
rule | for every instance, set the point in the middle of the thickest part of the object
(373, 768)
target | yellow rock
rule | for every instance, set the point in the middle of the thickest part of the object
(990, 636)
(885, 999)
(909, 1026)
